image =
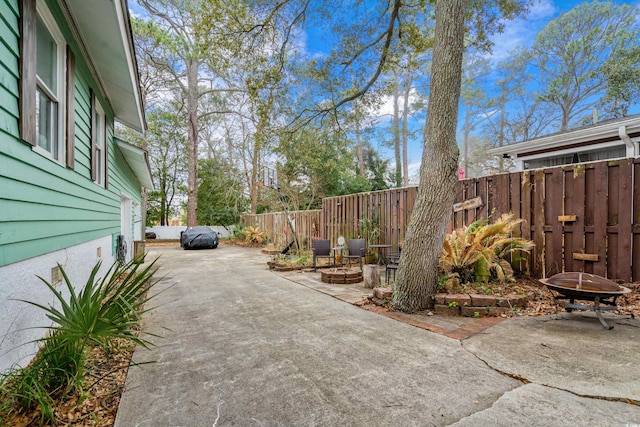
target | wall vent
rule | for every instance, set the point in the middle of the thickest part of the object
(56, 276)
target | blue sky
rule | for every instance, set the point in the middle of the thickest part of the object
(520, 32)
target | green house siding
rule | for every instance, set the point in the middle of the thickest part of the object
(45, 206)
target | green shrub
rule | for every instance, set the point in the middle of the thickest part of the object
(478, 252)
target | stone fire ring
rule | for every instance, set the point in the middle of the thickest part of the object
(341, 276)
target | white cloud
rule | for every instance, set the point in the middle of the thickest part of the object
(385, 110)
(522, 31)
(542, 9)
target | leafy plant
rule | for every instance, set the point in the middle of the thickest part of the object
(478, 252)
(102, 311)
(369, 230)
(254, 235)
(238, 232)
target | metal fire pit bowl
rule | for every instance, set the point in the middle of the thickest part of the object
(586, 287)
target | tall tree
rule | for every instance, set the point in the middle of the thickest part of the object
(622, 72)
(417, 274)
(221, 198)
(474, 100)
(177, 53)
(166, 143)
(418, 270)
(572, 50)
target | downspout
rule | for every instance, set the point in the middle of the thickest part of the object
(624, 137)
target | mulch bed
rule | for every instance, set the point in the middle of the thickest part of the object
(97, 404)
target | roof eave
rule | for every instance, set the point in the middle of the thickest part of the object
(107, 43)
(138, 161)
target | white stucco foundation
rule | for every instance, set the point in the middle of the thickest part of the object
(19, 281)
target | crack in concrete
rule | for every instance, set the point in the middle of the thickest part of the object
(528, 381)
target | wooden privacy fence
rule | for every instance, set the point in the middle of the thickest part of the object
(583, 217)
(387, 210)
(275, 224)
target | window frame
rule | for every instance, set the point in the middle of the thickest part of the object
(44, 14)
(99, 143)
(30, 12)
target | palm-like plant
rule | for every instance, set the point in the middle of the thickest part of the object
(475, 252)
(103, 310)
(254, 235)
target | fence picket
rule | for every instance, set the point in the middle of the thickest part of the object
(600, 200)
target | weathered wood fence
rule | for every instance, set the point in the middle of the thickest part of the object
(276, 226)
(582, 217)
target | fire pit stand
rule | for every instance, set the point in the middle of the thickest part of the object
(586, 287)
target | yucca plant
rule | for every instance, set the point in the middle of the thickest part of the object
(102, 311)
(479, 251)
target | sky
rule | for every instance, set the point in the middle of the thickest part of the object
(519, 32)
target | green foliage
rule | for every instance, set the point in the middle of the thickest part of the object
(572, 49)
(103, 310)
(254, 235)
(220, 192)
(622, 71)
(478, 252)
(238, 231)
(166, 143)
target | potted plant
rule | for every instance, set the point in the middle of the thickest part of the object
(370, 231)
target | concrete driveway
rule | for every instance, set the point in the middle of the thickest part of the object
(243, 346)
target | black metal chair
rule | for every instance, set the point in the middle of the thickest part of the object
(392, 266)
(356, 250)
(321, 249)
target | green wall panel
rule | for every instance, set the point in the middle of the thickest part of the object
(45, 206)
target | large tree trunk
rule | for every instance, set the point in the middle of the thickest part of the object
(418, 271)
(192, 142)
(255, 168)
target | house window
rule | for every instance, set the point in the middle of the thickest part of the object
(578, 157)
(99, 159)
(50, 86)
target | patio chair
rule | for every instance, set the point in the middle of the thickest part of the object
(321, 249)
(392, 266)
(356, 250)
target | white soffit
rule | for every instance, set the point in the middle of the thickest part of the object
(585, 134)
(105, 31)
(137, 160)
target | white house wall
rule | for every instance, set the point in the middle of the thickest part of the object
(16, 317)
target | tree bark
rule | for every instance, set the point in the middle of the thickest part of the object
(418, 270)
(192, 66)
(359, 150)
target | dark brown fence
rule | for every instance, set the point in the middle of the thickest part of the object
(582, 217)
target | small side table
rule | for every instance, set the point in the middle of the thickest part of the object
(380, 248)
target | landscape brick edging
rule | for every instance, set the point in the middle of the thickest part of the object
(477, 305)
